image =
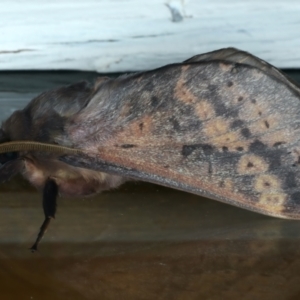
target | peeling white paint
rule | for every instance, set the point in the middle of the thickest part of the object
(177, 10)
(114, 35)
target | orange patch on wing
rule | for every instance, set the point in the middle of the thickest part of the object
(266, 183)
(204, 110)
(229, 185)
(280, 136)
(216, 127)
(231, 141)
(219, 134)
(264, 124)
(255, 109)
(137, 132)
(141, 128)
(183, 94)
(251, 164)
(184, 68)
(226, 139)
(273, 201)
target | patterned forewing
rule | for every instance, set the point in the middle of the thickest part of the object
(224, 130)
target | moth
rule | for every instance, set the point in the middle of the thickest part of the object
(224, 125)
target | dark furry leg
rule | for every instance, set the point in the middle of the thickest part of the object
(50, 193)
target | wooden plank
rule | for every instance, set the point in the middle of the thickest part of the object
(129, 35)
(145, 242)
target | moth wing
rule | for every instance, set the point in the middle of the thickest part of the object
(238, 56)
(223, 130)
(43, 119)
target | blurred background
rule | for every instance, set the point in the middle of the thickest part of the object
(141, 241)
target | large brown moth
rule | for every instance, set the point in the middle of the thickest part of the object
(224, 125)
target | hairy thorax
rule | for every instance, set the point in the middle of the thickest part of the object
(71, 181)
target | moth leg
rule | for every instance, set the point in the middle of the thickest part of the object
(50, 193)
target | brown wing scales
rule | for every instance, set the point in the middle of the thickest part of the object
(221, 129)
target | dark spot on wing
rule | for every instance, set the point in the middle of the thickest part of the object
(227, 158)
(184, 119)
(245, 132)
(128, 146)
(257, 146)
(274, 159)
(290, 180)
(229, 83)
(240, 98)
(217, 101)
(237, 123)
(193, 125)
(267, 124)
(189, 149)
(253, 101)
(154, 101)
(225, 149)
(141, 126)
(175, 123)
(271, 155)
(220, 108)
(239, 148)
(207, 149)
(295, 198)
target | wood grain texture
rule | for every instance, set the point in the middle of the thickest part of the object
(145, 242)
(113, 36)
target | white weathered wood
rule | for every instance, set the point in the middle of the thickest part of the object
(127, 35)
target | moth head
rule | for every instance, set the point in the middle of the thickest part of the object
(12, 153)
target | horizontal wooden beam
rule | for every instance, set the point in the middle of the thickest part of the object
(129, 35)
